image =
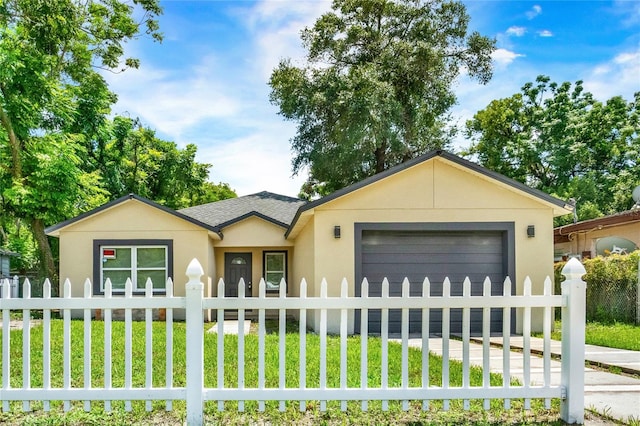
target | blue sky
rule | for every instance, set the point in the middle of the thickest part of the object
(207, 82)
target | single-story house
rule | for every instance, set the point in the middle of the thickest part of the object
(616, 233)
(436, 215)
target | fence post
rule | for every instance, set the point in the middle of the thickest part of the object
(15, 287)
(573, 329)
(194, 291)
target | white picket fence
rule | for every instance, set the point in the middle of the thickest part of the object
(570, 391)
(12, 284)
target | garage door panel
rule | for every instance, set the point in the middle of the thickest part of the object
(435, 288)
(430, 249)
(436, 255)
(437, 258)
(435, 321)
(415, 275)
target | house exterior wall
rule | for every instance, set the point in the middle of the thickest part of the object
(131, 220)
(432, 192)
(585, 241)
(254, 232)
(256, 266)
(4, 266)
(304, 266)
(252, 235)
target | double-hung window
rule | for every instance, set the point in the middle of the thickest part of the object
(139, 261)
(275, 269)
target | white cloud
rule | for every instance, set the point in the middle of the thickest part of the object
(171, 101)
(535, 11)
(619, 76)
(504, 57)
(545, 33)
(516, 31)
(275, 27)
(630, 10)
(256, 162)
(223, 106)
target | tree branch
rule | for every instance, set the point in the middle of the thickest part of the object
(14, 142)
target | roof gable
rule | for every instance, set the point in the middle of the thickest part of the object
(274, 208)
(57, 228)
(559, 206)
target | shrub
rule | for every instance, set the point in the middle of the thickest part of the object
(612, 287)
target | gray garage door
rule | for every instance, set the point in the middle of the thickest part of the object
(396, 254)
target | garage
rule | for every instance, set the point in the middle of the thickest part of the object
(436, 251)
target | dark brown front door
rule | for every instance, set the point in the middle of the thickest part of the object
(237, 266)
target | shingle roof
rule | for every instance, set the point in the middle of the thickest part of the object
(275, 208)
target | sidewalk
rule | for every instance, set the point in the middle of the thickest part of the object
(616, 395)
(627, 361)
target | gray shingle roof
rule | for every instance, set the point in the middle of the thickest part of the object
(278, 209)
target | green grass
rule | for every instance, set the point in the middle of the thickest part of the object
(375, 414)
(612, 335)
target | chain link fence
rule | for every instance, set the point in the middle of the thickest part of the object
(612, 288)
(16, 283)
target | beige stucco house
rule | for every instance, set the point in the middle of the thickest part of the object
(436, 215)
(616, 233)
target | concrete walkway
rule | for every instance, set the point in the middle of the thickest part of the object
(615, 395)
(231, 327)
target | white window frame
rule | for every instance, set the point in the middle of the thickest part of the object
(134, 268)
(266, 271)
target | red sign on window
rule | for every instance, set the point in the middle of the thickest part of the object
(109, 253)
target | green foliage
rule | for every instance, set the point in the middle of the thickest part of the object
(612, 285)
(53, 102)
(377, 86)
(134, 160)
(559, 139)
(15, 236)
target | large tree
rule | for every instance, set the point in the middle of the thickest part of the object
(558, 138)
(134, 160)
(377, 85)
(51, 93)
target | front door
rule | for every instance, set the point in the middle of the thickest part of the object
(237, 266)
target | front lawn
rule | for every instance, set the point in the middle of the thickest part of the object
(612, 335)
(312, 416)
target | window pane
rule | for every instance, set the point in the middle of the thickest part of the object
(273, 280)
(118, 278)
(275, 261)
(122, 259)
(238, 261)
(152, 257)
(158, 278)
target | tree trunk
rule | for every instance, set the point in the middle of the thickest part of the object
(48, 265)
(381, 156)
(14, 143)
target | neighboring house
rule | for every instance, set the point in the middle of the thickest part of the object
(5, 256)
(436, 215)
(616, 233)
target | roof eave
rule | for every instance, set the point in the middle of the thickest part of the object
(54, 230)
(622, 218)
(252, 214)
(560, 207)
